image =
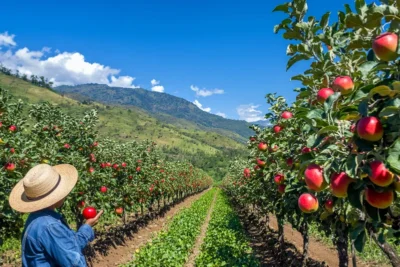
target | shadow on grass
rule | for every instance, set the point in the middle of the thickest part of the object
(265, 243)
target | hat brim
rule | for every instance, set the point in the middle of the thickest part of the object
(68, 178)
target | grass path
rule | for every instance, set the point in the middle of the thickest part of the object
(201, 237)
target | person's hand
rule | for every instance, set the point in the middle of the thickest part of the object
(92, 222)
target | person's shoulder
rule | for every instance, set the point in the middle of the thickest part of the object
(43, 219)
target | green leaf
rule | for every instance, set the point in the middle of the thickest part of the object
(330, 101)
(382, 90)
(283, 8)
(295, 59)
(367, 67)
(359, 243)
(324, 20)
(394, 156)
(315, 114)
(389, 111)
(363, 108)
(328, 129)
(355, 196)
(372, 212)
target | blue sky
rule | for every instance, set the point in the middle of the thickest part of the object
(210, 44)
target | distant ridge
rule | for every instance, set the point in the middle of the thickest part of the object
(159, 104)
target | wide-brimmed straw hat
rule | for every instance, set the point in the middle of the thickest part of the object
(42, 187)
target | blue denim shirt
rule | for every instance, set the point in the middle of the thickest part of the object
(48, 241)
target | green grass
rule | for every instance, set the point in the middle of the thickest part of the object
(172, 246)
(371, 253)
(226, 243)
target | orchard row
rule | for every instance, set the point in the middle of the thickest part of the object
(333, 156)
(119, 178)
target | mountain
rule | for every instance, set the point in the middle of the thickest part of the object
(163, 106)
(180, 140)
(264, 123)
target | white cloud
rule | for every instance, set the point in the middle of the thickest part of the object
(155, 87)
(62, 68)
(250, 113)
(7, 40)
(200, 106)
(154, 82)
(223, 115)
(204, 92)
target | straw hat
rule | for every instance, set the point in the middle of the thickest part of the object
(42, 187)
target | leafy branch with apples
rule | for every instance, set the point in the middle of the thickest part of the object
(332, 157)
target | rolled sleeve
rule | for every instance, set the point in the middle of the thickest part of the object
(84, 235)
(64, 245)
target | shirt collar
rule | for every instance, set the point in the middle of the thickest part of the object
(52, 213)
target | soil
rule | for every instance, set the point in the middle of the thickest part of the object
(265, 244)
(119, 251)
(200, 239)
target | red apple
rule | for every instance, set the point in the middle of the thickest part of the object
(289, 162)
(277, 128)
(95, 144)
(370, 129)
(380, 200)
(256, 167)
(281, 188)
(323, 94)
(273, 149)
(279, 179)
(261, 163)
(108, 164)
(138, 169)
(67, 146)
(103, 189)
(123, 164)
(262, 146)
(12, 128)
(115, 166)
(12, 150)
(89, 213)
(91, 170)
(385, 46)
(81, 204)
(130, 177)
(103, 165)
(314, 178)
(287, 115)
(353, 128)
(246, 172)
(10, 167)
(308, 203)
(344, 84)
(339, 184)
(119, 210)
(305, 150)
(329, 205)
(379, 174)
(252, 139)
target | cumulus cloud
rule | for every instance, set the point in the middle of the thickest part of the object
(204, 92)
(7, 40)
(250, 113)
(200, 106)
(156, 87)
(62, 68)
(223, 115)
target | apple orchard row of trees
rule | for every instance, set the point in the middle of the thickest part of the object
(117, 177)
(332, 158)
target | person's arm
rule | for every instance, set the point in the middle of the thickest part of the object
(65, 246)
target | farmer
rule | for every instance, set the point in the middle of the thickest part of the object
(47, 239)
